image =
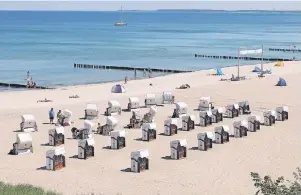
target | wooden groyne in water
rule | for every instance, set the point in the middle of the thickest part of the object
(285, 50)
(12, 85)
(242, 58)
(127, 68)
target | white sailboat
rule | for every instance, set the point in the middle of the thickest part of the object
(121, 22)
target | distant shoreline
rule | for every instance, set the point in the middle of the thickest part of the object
(163, 10)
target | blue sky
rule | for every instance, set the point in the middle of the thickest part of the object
(149, 5)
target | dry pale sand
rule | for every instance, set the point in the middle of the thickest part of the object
(223, 170)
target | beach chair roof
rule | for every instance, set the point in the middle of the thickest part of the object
(171, 121)
(143, 153)
(24, 138)
(90, 141)
(282, 108)
(67, 113)
(118, 133)
(149, 126)
(203, 134)
(60, 130)
(203, 113)
(175, 143)
(118, 89)
(91, 107)
(167, 93)
(28, 117)
(111, 120)
(186, 116)
(230, 106)
(211, 135)
(150, 96)
(269, 112)
(224, 127)
(180, 105)
(133, 99)
(243, 123)
(55, 152)
(153, 110)
(114, 103)
(207, 99)
(254, 117)
(215, 110)
(88, 124)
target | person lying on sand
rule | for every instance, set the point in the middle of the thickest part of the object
(184, 86)
(74, 96)
(45, 100)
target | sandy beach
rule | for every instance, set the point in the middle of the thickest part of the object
(224, 170)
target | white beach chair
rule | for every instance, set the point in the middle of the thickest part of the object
(118, 139)
(23, 145)
(113, 109)
(55, 159)
(149, 132)
(205, 141)
(28, 123)
(139, 161)
(178, 149)
(171, 126)
(57, 136)
(86, 148)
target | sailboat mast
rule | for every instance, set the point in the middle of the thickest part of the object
(121, 18)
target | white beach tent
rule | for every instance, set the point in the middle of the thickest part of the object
(118, 89)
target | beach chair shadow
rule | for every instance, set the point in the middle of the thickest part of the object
(138, 139)
(74, 156)
(46, 144)
(82, 118)
(46, 123)
(166, 158)
(127, 170)
(17, 131)
(125, 110)
(42, 168)
(162, 134)
(194, 148)
(107, 147)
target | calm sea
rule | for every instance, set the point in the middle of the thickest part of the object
(48, 43)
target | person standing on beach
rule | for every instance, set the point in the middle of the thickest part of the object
(135, 73)
(126, 80)
(51, 115)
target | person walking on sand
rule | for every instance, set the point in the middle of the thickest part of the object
(126, 80)
(51, 115)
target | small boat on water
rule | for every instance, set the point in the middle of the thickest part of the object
(121, 22)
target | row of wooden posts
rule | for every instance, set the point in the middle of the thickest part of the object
(243, 58)
(127, 68)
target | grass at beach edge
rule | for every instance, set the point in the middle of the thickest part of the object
(23, 189)
(27, 189)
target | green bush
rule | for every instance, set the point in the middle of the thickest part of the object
(23, 189)
(280, 186)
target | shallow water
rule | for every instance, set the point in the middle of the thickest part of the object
(48, 43)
